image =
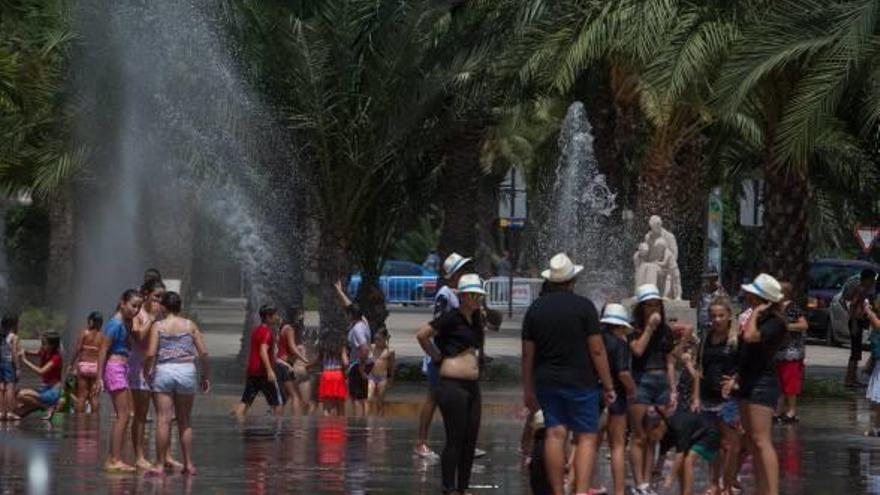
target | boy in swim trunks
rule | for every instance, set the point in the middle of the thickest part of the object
(382, 372)
(261, 376)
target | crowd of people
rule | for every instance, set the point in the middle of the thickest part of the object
(633, 376)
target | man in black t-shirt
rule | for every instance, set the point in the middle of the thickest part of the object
(563, 354)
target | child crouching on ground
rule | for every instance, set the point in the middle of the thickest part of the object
(49, 370)
(695, 436)
(873, 392)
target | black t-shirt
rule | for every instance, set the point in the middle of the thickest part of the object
(717, 360)
(455, 334)
(654, 357)
(758, 360)
(559, 323)
(619, 357)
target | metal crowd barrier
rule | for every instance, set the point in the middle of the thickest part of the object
(525, 290)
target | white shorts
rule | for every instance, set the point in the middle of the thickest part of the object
(177, 378)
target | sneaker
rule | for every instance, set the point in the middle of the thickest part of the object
(425, 452)
(479, 453)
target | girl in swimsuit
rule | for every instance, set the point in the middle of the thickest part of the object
(292, 364)
(382, 373)
(84, 364)
(113, 373)
(176, 345)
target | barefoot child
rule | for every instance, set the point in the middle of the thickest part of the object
(49, 370)
(873, 393)
(332, 390)
(382, 373)
(10, 363)
(84, 364)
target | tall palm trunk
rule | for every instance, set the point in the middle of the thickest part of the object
(333, 255)
(59, 278)
(786, 252)
(458, 186)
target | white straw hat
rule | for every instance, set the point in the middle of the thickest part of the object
(647, 292)
(561, 269)
(765, 287)
(453, 263)
(471, 283)
(616, 314)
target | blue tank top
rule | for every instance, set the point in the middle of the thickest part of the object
(117, 332)
(6, 348)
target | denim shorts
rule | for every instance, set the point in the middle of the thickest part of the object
(575, 408)
(50, 394)
(433, 374)
(726, 411)
(764, 392)
(176, 378)
(652, 389)
(7, 373)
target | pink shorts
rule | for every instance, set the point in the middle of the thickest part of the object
(116, 376)
(87, 369)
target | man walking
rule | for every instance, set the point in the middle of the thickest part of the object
(562, 354)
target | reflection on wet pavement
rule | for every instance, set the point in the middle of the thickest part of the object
(826, 453)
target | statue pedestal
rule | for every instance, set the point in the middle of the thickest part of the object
(678, 310)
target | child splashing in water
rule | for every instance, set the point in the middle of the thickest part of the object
(10, 363)
(332, 390)
(84, 364)
(382, 373)
(873, 393)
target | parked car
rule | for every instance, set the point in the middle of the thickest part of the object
(827, 313)
(402, 282)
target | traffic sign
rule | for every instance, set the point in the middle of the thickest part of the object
(866, 237)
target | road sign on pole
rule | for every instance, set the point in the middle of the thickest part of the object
(867, 236)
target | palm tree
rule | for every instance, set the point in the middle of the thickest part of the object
(360, 96)
(661, 56)
(35, 154)
(783, 89)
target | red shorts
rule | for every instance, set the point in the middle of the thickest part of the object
(332, 386)
(791, 376)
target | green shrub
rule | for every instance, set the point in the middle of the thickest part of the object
(35, 321)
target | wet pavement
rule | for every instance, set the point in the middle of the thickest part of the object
(825, 453)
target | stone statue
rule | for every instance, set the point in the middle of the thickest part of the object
(656, 261)
(647, 272)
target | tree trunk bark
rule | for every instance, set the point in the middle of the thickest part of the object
(786, 253)
(333, 265)
(59, 278)
(458, 188)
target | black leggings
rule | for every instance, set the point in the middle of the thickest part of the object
(856, 327)
(460, 405)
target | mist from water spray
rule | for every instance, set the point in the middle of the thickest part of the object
(167, 115)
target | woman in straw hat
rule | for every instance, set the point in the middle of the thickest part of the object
(454, 341)
(756, 382)
(653, 370)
